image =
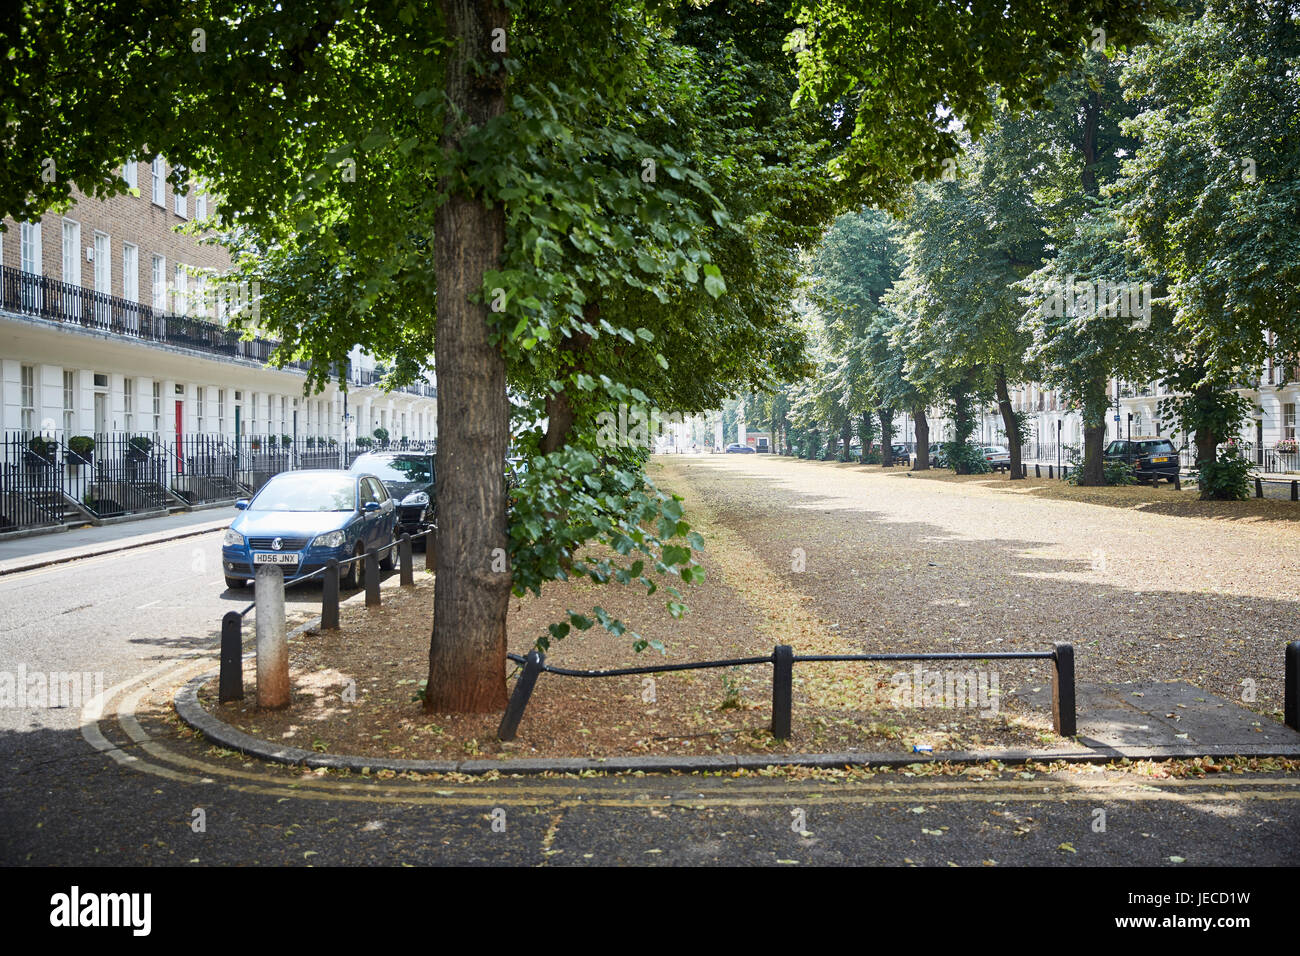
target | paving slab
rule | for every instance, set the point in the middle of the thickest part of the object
(1175, 716)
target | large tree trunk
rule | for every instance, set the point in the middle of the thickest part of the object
(560, 413)
(1095, 406)
(846, 436)
(1009, 422)
(1207, 442)
(886, 416)
(467, 651)
(922, 437)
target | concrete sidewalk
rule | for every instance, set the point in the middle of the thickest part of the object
(37, 551)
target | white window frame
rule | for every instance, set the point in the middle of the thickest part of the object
(130, 272)
(130, 174)
(69, 402)
(27, 395)
(157, 406)
(198, 409)
(158, 170)
(128, 404)
(71, 252)
(179, 204)
(201, 206)
(1288, 420)
(29, 248)
(180, 290)
(158, 272)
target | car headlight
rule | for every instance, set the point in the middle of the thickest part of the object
(420, 498)
(233, 539)
(333, 539)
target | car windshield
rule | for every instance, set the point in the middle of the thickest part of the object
(1163, 447)
(304, 491)
(1116, 448)
(397, 468)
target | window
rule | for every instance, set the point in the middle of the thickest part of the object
(198, 409)
(1288, 420)
(71, 252)
(69, 403)
(221, 411)
(128, 403)
(160, 182)
(27, 395)
(201, 295)
(178, 201)
(284, 404)
(29, 247)
(201, 206)
(130, 272)
(159, 284)
(129, 174)
(157, 407)
(103, 276)
(181, 305)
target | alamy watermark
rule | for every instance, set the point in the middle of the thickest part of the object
(22, 690)
(634, 426)
(1079, 297)
(946, 690)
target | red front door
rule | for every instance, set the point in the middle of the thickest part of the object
(180, 430)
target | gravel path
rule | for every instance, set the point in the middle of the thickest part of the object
(1147, 583)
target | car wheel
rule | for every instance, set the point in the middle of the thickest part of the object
(350, 579)
(236, 584)
(389, 561)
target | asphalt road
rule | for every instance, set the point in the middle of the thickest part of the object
(135, 788)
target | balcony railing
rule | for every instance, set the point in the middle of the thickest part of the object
(25, 293)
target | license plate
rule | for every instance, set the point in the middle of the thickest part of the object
(269, 557)
(1159, 459)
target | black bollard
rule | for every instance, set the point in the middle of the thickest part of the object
(1291, 693)
(1063, 704)
(1259, 488)
(232, 658)
(329, 597)
(408, 563)
(430, 557)
(372, 579)
(782, 690)
(534, 664)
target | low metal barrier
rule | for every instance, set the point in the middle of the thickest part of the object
(783, 659)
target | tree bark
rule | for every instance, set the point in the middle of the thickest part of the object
(886, 416)
(846, 436)
(922, 437)
(1009, 422)
(467, 650)
(1095, 407)
(560, 414)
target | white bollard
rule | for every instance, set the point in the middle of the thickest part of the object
(272, 647)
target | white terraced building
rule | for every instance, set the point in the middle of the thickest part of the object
(113, 334)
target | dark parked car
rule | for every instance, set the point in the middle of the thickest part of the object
(1149, 458)
(735, 448)
(300, 519)
(409, 477)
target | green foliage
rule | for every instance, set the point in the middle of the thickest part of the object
(1114, 473)
(1225, 479)
(81, 445)
(380, 434)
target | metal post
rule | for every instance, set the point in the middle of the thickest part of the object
(782, 689)
(372, 579)
(272, 646)
(430, 556)
(1259, 487)
(329, 601)
(404, 555)
(1050, 474)
(1291, 706)
(1038, 470)
(1178, 482)
(232, 657)
(1063, 708)
(534, 664)
(1295, 491)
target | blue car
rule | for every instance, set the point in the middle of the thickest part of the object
(301, 519)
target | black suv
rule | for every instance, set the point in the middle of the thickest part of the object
(408, 476)
(1149, 458)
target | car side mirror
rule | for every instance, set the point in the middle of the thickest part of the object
(371, 506)
(241, 503)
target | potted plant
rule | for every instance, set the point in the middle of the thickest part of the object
(40, 450)
(255, 444)
(381, 434)
(364, 442)
(1288, 446)
(311, 443)
(333, 442)
(286, 441)
(80, 449)
(138, 448)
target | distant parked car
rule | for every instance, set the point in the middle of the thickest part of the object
(997, 457)
(409, 477)
(735, 448)
(1149, 458)
(301, 519)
